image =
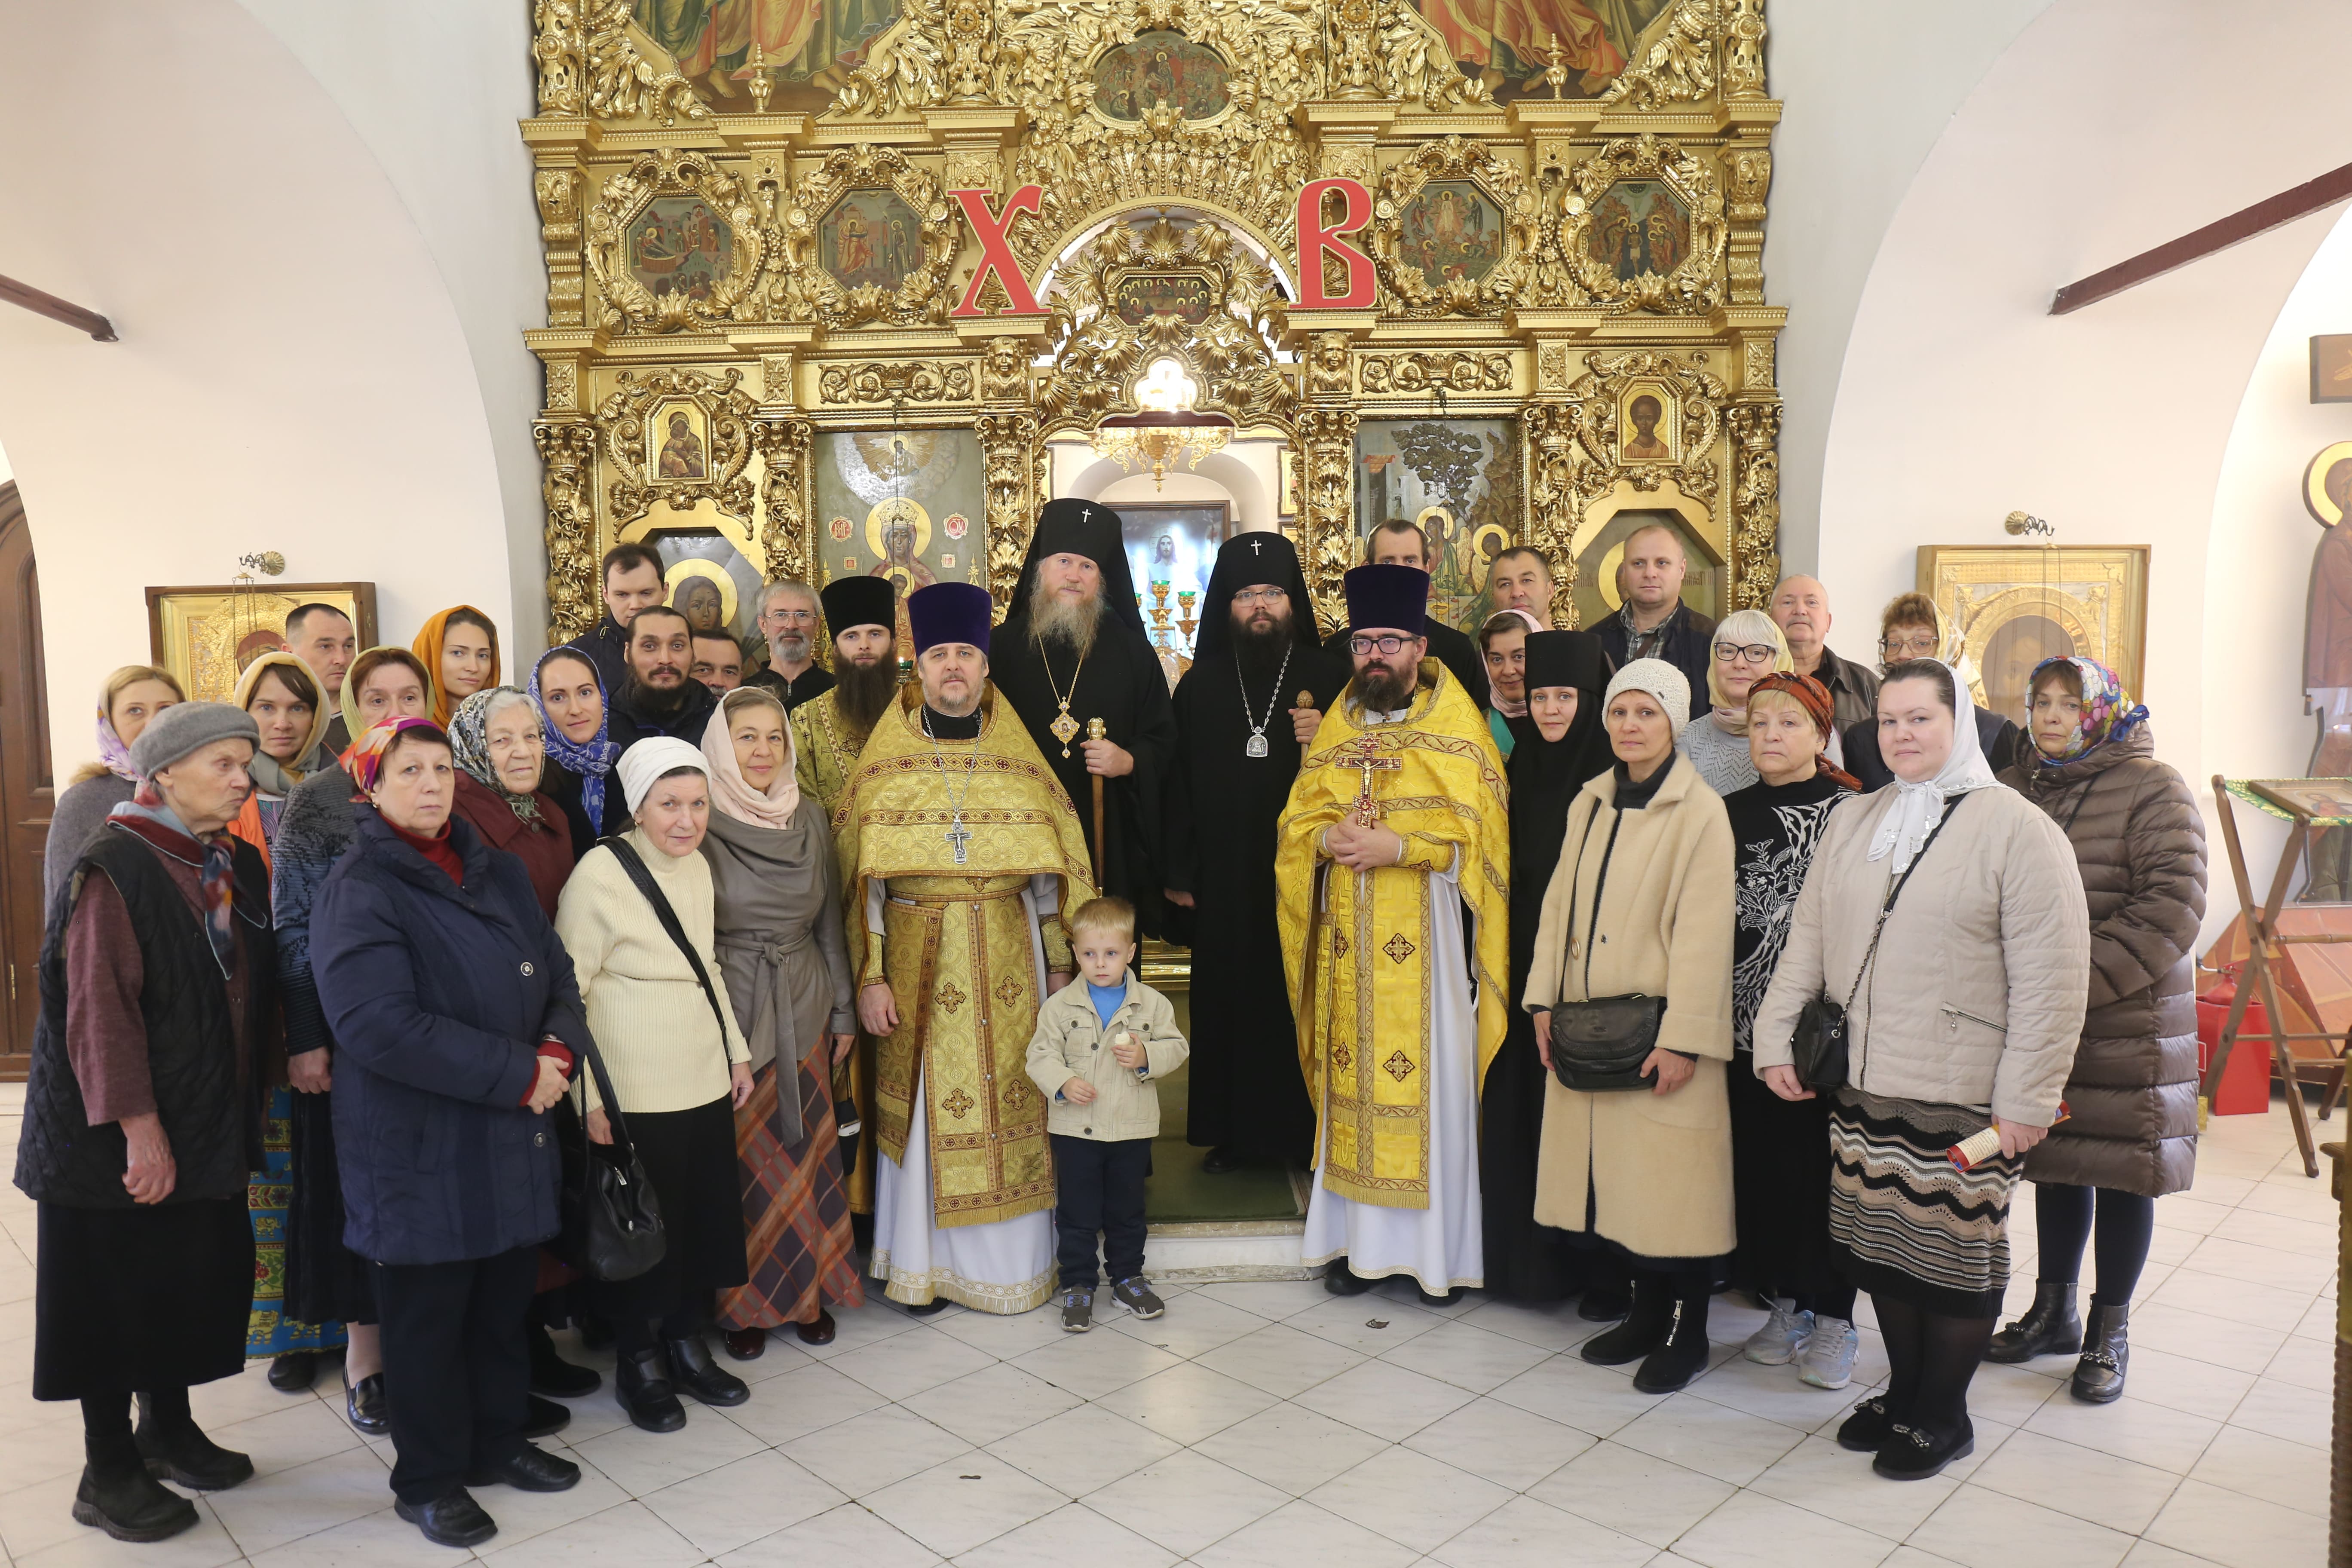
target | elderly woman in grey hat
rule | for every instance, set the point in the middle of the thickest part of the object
(680, 1068)
(141, 1121)
(1636, 928)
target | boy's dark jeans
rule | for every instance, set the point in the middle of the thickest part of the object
(1100, 1187)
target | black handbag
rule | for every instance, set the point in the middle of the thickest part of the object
(1598, 1046)
(611, 1220)
(1821, 1047)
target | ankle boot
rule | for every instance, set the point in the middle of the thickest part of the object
(693, 1371)
(2099, 1375)
(2049, 1327)
(130, 1505)
(1682, 1356)
(1648, 1321)
(179, 1451)
(641, 1384)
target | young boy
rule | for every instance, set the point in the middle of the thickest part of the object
(1102, 1044)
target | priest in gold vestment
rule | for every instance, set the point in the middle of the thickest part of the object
(960, 851)
(1395, 826)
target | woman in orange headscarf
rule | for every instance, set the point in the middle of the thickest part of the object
(461, 648)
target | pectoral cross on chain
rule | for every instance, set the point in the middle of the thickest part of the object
(1364, 752)
(958, 835)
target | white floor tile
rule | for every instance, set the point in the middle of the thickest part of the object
(2150, 1435)
(287, 1505)
(1084, 1451)
(994, 1402)
(640, 1462)
(1300, 1532)
(1281, 1360)
(1634, 1493)
(906, 1365)
(1386, 1401)
(851, 1533)
(2238, 1531)
(629, 1536)
(1072, 1534)
(1979, 1528)
(736, 1504)
(2298, 1413)
(957, 1506)
(1595, 1399)
(1505, 1443)
(1411, 1498)
(1372, 1323)
(1187, 1401)
(1753, 1530)
(1822, 1477)
(206, 1546)
(861, 1456)
(1525, 1533)
(1188, 1327)
(2104, 1490)
(2201, 1336)
(2288, 1474)
(1466, 1356)
(382, 1540)
(1187, 1501)
(1297, 1449)
(806, 1399)
(2180, 1382)
(1093, 1364)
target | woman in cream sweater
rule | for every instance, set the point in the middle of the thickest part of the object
(679, 1066)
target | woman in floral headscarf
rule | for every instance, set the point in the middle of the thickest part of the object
(502, 762)
(2140, 845)
(130, 697)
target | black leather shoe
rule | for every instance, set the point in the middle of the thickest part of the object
(818, 1331)
(453, 1518)
(1682, 1356)
(929, 1309)
(1912, 1453)
(695, 1373)
(1865, 1430)
(2099, 1375)
(294, 1371)
(746, 1344)
(546, 1419)
(531, 1470)
(1649, 1320)
(595, 1333)
(132, 1505)
(1604, 1305)
(1220, 1160)
(642, 1385)
(2048, 1328)
(363, 1403)
(554, 1376)
(187, 1456)
(1341, 1281)
(1447, 1299)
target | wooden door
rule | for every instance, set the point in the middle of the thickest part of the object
(27, 790)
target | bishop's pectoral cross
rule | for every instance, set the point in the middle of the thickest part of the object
(1364, 752)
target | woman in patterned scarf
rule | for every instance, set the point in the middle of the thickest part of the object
(130, 697)
(502, 763)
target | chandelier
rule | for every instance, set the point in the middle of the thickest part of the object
(1168, 433)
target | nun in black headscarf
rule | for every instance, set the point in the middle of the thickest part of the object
(1072, 647)
(1239, 714)
(1526, 1261)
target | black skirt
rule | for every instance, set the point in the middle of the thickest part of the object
(1525, 1261)
(135, 1300)
(1781, 1188)
(690, 1158)
(326, 1282)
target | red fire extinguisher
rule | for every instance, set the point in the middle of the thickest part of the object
(2245, 1086)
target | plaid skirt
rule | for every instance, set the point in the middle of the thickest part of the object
(795, 1209)
(1903, 1220)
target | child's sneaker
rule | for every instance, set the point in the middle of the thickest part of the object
(1136, 1296)
(1827, 1359)
(1077, 1308)
(1783, 1333)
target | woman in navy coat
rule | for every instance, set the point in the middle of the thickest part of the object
(457, 1019)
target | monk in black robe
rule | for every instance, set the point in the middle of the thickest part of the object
(1071, 649)
(1241, 726)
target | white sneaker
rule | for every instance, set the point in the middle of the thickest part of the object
(1776, 1343)
(1827, 1359)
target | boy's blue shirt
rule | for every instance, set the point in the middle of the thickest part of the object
(1107, 999)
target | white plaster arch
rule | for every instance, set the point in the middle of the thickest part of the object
(1219, 476)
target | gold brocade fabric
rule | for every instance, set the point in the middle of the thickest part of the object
(955, 948)
(822, 753)
(1358, 955)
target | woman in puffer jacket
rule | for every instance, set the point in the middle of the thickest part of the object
(2132, 1138)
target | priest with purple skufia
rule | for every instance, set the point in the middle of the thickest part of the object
(1241, 726)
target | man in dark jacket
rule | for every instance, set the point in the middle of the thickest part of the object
(1397, 543)
(1655, 622)
(141, 1121)
(1801, 608)
(657, 695)
(457, 1020)
(632, 580)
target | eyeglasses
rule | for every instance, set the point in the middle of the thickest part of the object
(1744, 653)
(1363, 645)
(1919, 644)
(1261, 595)
(774, 614)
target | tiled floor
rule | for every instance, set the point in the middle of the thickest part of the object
(1273, 1423)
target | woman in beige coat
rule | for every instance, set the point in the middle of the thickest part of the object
(1961, 1022)
(1640, 904)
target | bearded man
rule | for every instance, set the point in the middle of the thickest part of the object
(1073, 648)
(1396, 826)
(1244, 712)
(959, 853)
(656, 695)
(789, 620)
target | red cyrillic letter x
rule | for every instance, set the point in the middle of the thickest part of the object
(995, 254)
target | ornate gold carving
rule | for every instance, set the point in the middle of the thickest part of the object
(558, 194)
(568, 450)
(1099, 358)
(1012, 462)
(783, 447)
(779, 383)
(1743, 49)
(1749, 168)
(970, 169)
(1461, 371)
(1554, 508)
(1004, 371)
(807, 289)
(879, 381)
(1679, 68)
(1454, 159)
(1326, 455)
(1699, 398)
(625, 421)
(1760, 354)
(669, 172)
(589, 64)
(1326, 367)
(1551, 366)
(1756, 504)
(1696, 282)
(562, 386)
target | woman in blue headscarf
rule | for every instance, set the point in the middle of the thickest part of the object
(2132, 1092)
(574, 719)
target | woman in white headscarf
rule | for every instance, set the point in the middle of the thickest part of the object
(1945, 915)
(658, 1010)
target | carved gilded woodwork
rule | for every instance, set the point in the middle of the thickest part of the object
(783, 442)
(1461, 371)
(557, 192)
(913, 381)
(1466, 180)
(1679, 68)
(810, 286)
(1756, 553)
(1554, 507)
(568, 450)
(1012, 467)
(1673, 183)
(1326, 447)
(648, 461)
(616, 225)
(1692, 417)
(590, 65)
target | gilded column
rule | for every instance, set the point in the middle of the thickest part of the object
(568, 448)
(1326, 458)
(1552, 508)
(1008, 454)
(783, 442)
(1756, 500)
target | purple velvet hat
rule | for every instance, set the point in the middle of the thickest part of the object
(1393, 596)
(950, 612)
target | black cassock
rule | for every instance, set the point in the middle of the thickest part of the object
(1120, 682)
(1247, 1090)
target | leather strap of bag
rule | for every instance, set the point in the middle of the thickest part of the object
(622, 1151)
(1893, 891)
(642, 875)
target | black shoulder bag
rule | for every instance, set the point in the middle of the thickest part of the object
(1820, 1046)
(1599, 1044)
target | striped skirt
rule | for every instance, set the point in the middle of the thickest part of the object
(796, 1210)
(1903, 1220)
